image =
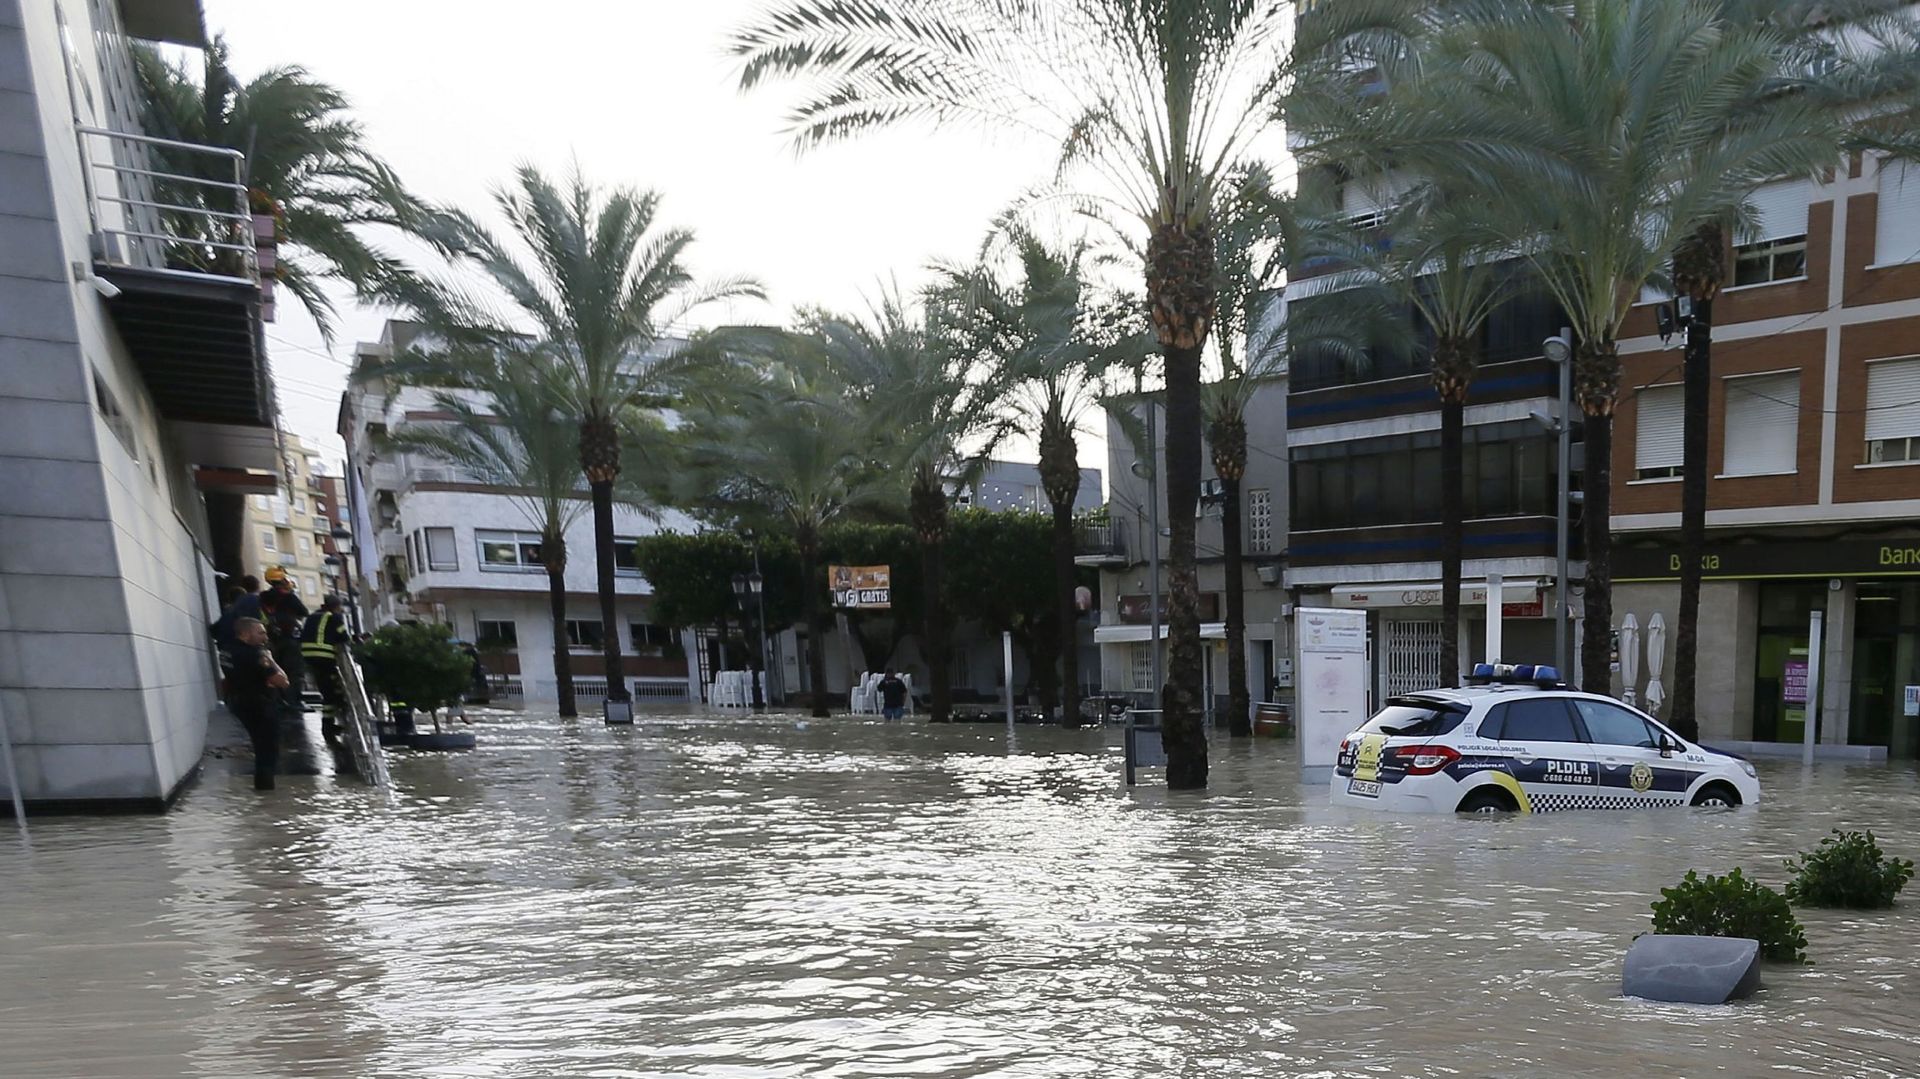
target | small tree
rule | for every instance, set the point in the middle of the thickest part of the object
(417, 663)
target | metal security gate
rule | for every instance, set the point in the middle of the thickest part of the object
(1412, 656)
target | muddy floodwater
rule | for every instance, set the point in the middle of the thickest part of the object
(773, 897)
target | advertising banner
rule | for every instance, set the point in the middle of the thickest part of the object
(1332, 677)
(861, 588)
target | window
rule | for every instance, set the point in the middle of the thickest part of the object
(1260, 520)
(1365, 201)
(1897, 223)
(650, 640)
(1413, 718)
(1539, 719)
(1394, 480)
(259, 502)
(1612, 725)
(299, 503)
(441, 551)
(508, 551)
(266, 540)
(1141, 664)
(1893, 408)
(111, 414)
(584, 634)
(1762, 425)
(1777, 248)
(305, 545)
(1770, 260)
(626, 555)
(1657, 452)
(495, 633)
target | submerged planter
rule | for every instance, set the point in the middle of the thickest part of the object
(1691, 970)
(444, 740)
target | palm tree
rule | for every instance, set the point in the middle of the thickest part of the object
(517, 435)
(600, 288)
(1601, 133)
(1050, 341)
(307, 161)
(935, 415)
(779, 439)
(1156, 100)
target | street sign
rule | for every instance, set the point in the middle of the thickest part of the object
(861, 588)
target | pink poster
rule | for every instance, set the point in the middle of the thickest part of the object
(1794, 685)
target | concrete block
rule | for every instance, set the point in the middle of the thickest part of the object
(72, 547)
(44, 604)
(20, 122)
(75, 661)
(1691, 970)
(91, 771)
(56, 430)
(26, 199)
(37, 309)
(34, 487)
(83, 716)
(10, 18)
(43, 370)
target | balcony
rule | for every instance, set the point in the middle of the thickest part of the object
(1100, 545)
(177, 260)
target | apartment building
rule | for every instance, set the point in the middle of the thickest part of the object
(1015, 485)
(434, 542)
(137, 402)
(1813, 496)
(1125, 550)
(291, 528)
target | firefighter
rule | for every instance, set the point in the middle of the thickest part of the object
(325, 632)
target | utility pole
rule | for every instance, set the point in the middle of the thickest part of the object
(1153, 514)
(1559, 351)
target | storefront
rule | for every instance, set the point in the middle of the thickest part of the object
(1757, 600)
(1404, 629)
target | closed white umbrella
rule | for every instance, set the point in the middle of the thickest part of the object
(1656, 654)
(1629, 656)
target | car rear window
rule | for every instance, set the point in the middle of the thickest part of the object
(1414, 718)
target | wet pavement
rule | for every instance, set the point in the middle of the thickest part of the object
(778, 897)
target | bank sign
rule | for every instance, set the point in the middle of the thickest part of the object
(861, 588)
(1840, 558)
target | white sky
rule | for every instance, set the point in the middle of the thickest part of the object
(455, 93)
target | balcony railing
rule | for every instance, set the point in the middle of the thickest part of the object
(165, 205)
(1100, 544)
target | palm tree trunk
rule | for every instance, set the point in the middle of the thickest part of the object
(1239, 697)
(557, 605)
(1452, 531)
(1182, 710)
(603, 561)
(1696, 379)
(1064, 611)
(816, 620)
(928, 506)
(1597, 380)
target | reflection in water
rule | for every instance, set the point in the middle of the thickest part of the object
(736, 897)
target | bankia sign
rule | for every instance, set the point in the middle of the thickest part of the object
(1836, 558)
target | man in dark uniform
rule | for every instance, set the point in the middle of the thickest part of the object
(323, 633)
(284, 614)
(253, 695)
(893, 696)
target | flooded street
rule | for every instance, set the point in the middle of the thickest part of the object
(766, 897)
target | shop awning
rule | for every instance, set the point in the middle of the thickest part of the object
(1427, 594)
(1209, 631)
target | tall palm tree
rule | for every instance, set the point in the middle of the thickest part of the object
(935, 413)
(307, 164)
(1153, 100)
(778, 438)
(1050, 340)
(516, 434)
(1602, 133)
(595, 286)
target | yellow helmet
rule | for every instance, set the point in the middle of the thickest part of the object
(275, 573)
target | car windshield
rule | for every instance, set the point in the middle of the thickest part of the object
(1415, 717)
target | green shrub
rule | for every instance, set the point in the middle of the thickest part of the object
(417, 663)
(1847, 870)
(1731, 906)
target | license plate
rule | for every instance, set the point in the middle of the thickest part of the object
(1365, 788)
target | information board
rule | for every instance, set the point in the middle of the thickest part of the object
(1332, 676)
(861, 588)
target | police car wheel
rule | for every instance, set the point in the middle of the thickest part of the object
(1485, 801)
(1716, 796)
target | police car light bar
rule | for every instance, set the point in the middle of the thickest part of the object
(1507, 674)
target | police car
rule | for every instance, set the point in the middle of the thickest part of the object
(1515, 739)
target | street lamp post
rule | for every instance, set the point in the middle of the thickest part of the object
(1559, 352)
(345, 536)
(750, 586)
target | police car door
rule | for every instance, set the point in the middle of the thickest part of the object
(1632, 772)
(1545, 754)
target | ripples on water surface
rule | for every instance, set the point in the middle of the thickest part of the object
(728, 897)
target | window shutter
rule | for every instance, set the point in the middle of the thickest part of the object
(1779, 211)
(1657, 437)
(441, 551)
(1762, 425)
(1372, 194)
(1893, 397)
(1897, 226)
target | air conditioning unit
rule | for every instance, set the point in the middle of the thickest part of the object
(1212, 489)
(1269, 575)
